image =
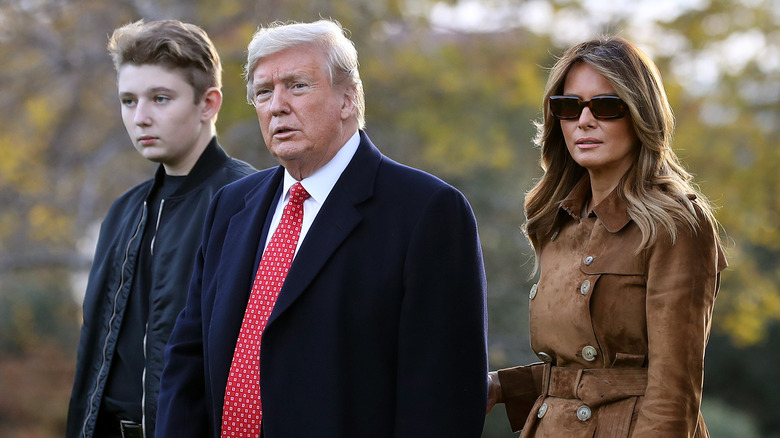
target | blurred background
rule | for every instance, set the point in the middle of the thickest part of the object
(452, 87)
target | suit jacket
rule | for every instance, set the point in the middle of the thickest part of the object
(379, 329)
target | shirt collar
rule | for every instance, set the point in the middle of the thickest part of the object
(612, 211)
(321, 182)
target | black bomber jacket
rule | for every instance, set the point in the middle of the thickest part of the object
(177, 239)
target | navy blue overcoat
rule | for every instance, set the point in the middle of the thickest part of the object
(378, 331)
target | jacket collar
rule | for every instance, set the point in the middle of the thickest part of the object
(612, 211)
(211, 160)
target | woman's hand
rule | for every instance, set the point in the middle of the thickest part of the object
(494, 391)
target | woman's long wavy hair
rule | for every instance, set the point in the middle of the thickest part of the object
(656, 187)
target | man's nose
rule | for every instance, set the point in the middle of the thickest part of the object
(279, 102)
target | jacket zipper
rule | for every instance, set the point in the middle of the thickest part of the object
(111, 322)
(157, 225)
(146, 329)
(143, 386)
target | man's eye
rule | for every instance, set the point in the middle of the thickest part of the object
(161, 99)
(127, 102)
(262, 95)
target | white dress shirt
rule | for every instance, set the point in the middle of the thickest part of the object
(318, 185)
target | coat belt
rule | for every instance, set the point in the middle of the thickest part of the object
(615, 390)
(597, 386)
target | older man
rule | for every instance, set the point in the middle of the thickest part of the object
(362, 278)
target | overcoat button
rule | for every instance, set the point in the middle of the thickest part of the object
(583, 413)
(588, 260)
(544, 356)
(585, 287)
(589, 353)
(542, 410)
(532, 294)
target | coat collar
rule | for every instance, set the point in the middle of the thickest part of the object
(337, 218)
(211, 160)
(335, 221)
(612, 211)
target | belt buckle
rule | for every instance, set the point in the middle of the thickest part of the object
(130, 429)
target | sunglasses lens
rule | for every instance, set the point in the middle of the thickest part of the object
(607, 107)
(565, 107)
(602, 107)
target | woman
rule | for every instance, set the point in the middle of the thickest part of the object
(630, 261)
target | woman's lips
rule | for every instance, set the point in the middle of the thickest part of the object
(588, 143)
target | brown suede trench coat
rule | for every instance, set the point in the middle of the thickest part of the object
(621, 335)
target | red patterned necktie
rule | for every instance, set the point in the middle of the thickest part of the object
(243, 411)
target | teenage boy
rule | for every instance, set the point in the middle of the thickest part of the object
(169, 79)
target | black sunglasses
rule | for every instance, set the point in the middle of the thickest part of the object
(602, 107)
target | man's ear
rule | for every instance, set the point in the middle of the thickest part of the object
(212, 102)
(349, 105)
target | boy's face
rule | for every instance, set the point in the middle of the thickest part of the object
(160, 115)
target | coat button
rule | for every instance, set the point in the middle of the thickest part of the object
(588, 260)
(583, 413)
(532, 294)
(542, 410)
(544, 356)
(585, 287)
(589, 353)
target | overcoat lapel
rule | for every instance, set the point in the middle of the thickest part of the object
(336, 220)
(236, 273)
(245, 232)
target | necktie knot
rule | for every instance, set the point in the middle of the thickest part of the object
(298, 194)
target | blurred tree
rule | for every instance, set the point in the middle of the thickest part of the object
(726, 134)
